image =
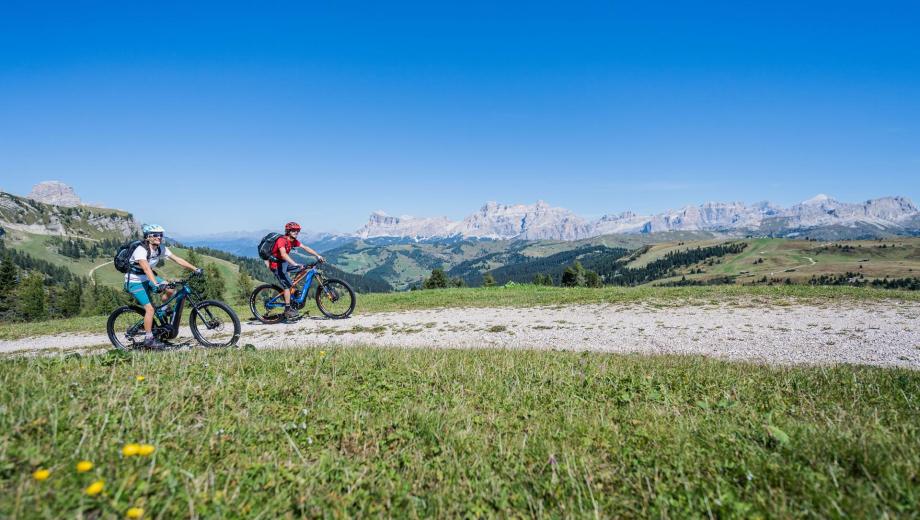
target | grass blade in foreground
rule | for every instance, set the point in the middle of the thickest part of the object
(454, 433)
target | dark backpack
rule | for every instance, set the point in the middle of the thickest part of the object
(267, 244)
(123, 257)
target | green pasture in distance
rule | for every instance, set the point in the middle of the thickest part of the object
(455, 433)
(797, 260)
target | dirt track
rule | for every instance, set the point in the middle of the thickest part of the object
(873, 333)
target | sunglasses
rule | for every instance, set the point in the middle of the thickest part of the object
(155, 235)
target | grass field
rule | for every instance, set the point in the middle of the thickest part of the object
(421, 433)
(798, 260)
(532, 296)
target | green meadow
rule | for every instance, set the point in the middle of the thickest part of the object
(448, 433)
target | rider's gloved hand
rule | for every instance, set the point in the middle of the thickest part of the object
(159, 287)
(198, 272)
(320, 259)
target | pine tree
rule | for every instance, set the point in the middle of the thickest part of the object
(214, 284)
(194, 258)
(31, 298)
(8, 275)
(593, 279)
(244, 289)
(574, 275)
(99, 300)
(69, 300)
(542, 279)
(488, 280)
(437, 280)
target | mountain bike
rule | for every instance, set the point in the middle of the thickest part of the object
(334, 297)
(213, 323)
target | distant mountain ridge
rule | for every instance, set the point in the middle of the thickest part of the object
(821, 216)
(886, 215)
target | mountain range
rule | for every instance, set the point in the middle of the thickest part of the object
(540, 221)
(505, 240)
(821, 217)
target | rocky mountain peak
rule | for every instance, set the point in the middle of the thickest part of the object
(56, 193)
(818, 199)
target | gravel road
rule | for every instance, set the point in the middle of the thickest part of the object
(882, 333)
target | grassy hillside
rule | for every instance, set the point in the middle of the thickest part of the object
(799, 260)
(411, 433)
(404, 264)
(42, 247)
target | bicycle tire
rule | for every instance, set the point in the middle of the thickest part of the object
(197, 313)
(115, 336)
(341, 288)
(256, 298)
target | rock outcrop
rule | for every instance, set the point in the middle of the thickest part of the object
(55, 193)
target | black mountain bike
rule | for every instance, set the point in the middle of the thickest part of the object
(334, 297)
(213, 323)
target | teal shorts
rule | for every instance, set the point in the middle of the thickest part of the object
(141, 290)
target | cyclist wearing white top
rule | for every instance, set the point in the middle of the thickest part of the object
(140, 280)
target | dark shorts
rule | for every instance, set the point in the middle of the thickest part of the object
(283, 275)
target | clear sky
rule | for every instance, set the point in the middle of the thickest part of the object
(225, 116)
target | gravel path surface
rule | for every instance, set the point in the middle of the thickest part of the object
(883, 333)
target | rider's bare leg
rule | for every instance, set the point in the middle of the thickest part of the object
(148, 319)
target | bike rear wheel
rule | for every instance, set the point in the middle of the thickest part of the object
(125, 327)
(214, 324)
(335, 298)
(267, 303)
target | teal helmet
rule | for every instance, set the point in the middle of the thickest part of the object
(152, 228)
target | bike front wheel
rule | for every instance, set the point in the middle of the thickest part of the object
(214, 324)
(335, 298)
(125, 327)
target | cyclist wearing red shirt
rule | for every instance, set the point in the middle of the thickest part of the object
(281, 251)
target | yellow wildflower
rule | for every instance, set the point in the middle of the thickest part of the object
(129, 450)
(134, 512)
(41, 474)
(83, 466)
(322, 352)
(140, 378)
(95, 488)
(145, 449)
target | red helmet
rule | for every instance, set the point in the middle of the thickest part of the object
(291, 226)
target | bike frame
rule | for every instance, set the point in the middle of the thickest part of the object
(159, 320)
(307, 275)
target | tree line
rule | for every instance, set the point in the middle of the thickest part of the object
(28, 294)
(77, 248)
(666, 265)
(858, 280)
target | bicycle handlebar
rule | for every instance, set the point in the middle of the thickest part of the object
(184, 281)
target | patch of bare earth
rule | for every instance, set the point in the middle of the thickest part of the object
(872, 333)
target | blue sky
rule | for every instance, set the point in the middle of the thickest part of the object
(231, 116)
